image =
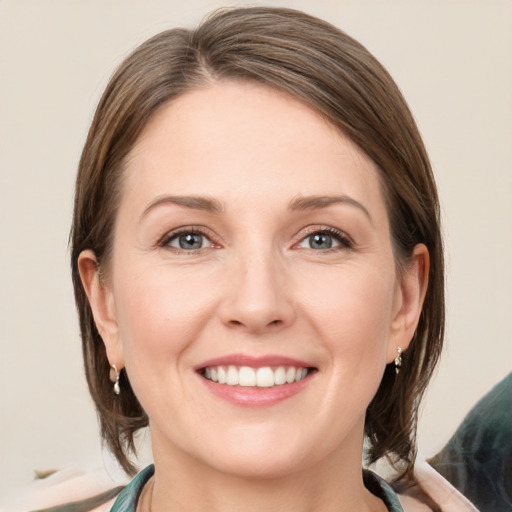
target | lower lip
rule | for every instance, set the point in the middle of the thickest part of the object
(254, 396)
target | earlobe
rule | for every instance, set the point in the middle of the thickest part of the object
(412, 290)
(102, 305)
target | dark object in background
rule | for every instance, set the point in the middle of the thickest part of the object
(478, 458)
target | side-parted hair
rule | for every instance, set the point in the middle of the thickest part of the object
(316, 63)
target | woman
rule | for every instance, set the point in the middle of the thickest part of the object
(258, 267)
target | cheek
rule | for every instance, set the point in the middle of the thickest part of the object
(158, 315)
(353, 312)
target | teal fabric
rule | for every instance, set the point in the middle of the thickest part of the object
(127, 500)
(380, 488)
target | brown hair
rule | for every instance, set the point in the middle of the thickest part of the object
(320, 65)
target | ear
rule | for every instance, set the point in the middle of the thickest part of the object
(101, 300)
(409, 298)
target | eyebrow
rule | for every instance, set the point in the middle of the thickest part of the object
(206, 204)
(317, 202)
(212, 205)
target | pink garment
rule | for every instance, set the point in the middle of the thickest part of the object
(439, 490)
(64, 486)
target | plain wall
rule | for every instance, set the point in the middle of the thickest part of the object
(453, 61)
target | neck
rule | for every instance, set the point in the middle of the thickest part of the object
(334, 485)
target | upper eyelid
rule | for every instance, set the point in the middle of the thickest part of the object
(311, 230)
(173, 233)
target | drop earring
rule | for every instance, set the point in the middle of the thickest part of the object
(398, 359)
(114, 378)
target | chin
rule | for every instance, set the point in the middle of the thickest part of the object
(260, 467)
(263, 455)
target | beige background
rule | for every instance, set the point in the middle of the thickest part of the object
(452, 59)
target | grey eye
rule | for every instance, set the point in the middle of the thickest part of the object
(189, 241)
(319, 241)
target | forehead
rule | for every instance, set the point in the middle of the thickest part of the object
(246, 140)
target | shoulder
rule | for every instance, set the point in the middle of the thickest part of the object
(89, 490)
(439, 490)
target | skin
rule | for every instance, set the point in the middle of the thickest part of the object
(257, 286)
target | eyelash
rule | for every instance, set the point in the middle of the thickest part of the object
(344, 241)
(341, 237)
(186, 230)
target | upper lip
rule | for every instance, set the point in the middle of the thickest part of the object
(253, 361)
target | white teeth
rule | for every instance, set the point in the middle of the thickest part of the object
(300, 374)
(232, 376)
(264, 377)
(279, 376)
(290, 375)
(247, 376)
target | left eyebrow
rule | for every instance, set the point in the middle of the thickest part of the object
(206, 204)
(317, 202)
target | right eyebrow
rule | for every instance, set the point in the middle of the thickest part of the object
(319, 202)
(203, 203)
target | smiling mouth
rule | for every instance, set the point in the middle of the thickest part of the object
(262, 377)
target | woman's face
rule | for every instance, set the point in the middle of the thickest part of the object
(252, 295)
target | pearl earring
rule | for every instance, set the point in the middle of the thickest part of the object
(114, 378)
(398, 360)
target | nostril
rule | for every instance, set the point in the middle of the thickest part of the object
(271, 324)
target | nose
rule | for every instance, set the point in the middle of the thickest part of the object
(259, 295)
